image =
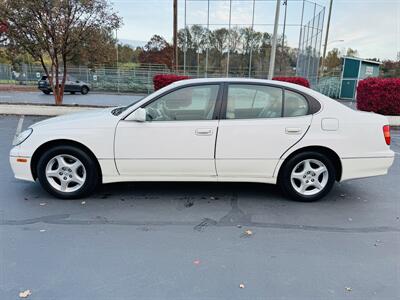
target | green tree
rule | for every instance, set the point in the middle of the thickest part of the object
(332, 60)
(352, 52)
(55, 29)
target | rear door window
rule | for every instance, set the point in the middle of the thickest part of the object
(249, 101)
(295, 105)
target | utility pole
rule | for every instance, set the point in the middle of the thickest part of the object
(327, 33)
(283, 36)
(175, 38)
(274, 41)
(116, 48)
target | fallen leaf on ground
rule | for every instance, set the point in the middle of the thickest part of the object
(349, 289)
(42, 203)
(247, 233)
(196, 262)
(241, 286)
(83, 202)
(25, 294)
(42, 230)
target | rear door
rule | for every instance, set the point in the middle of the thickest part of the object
(178, 138)
(258, 124)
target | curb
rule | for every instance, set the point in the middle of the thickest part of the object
(41, 110)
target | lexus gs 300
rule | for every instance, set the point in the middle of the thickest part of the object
(230, 130)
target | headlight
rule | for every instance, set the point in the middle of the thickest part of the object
(20, 138)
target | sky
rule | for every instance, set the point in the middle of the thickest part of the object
(370, 26)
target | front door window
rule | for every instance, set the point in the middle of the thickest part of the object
(189, 103)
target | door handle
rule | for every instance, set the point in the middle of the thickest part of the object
(293, 130)
(204, 131)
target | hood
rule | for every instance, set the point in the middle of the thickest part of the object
(101, 117)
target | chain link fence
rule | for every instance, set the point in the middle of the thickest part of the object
(134, 80)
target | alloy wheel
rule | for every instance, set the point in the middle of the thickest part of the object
(309, 177)
(65, 173)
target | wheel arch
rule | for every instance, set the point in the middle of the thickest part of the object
(61, 142)
(332, 155)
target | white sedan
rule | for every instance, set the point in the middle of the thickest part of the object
(237, 130)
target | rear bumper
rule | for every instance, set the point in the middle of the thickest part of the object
(365, 167)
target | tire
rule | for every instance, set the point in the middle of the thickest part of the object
(46, 92)
(307, 176)
(72, 93)
(67, 172)
(84, 90)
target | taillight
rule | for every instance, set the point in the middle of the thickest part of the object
(386, 134)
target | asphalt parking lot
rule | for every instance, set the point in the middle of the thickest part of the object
(187, 240)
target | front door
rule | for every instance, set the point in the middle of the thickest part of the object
(259, 126)
(176, 141)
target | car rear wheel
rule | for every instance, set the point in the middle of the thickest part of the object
(46, 92)
(307, 176)
(67, 172)
(84, 90)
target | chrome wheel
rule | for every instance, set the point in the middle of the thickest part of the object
(309, 177)
(65, 173)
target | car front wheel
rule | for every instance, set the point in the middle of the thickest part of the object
(67, 172)
(307, 176)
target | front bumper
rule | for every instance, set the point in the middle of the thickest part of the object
(21, 165)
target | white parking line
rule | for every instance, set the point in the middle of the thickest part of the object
(19, 127)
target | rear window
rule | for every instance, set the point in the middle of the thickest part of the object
(295, 105)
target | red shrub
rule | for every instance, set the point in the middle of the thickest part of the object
(297, 80)
(162, 80)
(380, 95)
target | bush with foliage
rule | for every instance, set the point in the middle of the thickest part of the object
(297, 80)
(380, 95)
(162, 80)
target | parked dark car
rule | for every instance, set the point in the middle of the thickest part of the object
(71, 86)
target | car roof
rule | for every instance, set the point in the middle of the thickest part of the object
(240, 80)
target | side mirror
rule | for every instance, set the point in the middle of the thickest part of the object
(138, 115)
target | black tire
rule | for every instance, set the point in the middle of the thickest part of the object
(72, 93)
(90, 166)
(285, 180)
(84, 90)
(46, 92)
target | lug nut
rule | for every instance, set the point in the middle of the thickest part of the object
(65, 178)
(61, 173)
(70, 176)
(306, 181)
(312, 180)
